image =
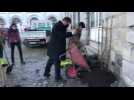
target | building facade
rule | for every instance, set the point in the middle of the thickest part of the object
(122, 45)
(25, 18)
(111, 34)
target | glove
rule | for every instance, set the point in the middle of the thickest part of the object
(74, 32)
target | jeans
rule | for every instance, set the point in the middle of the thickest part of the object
(18, 44)
(49, 64)
(1, 52)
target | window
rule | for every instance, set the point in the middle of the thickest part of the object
(52, 19)
(100, 19)
(33, 19)
(16, 20)
(95, 23)
(96, 19)
(92, 19)
(2, 21)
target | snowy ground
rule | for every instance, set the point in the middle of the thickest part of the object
(31, 74)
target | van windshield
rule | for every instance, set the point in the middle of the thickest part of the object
(41, 26)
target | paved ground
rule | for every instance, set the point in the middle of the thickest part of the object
(31, 74)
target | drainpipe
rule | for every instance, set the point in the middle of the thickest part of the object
(78, 17)
(74, 18)
(88, 27)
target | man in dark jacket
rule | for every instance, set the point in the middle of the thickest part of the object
(57, 46)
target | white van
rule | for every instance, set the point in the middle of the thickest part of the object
(36, 34)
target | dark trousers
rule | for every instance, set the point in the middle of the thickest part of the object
(49, 64)
(1, 52)
(18, 44)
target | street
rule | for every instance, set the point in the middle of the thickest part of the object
(105, 49)
(31, 74)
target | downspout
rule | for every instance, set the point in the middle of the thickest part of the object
(88, 28)
(78, 17)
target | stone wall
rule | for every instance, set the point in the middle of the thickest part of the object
(122, 43)
(122, 52)
(118, 38)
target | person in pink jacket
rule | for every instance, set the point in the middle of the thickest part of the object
(14, 40)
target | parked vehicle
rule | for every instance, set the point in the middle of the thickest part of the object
(36, 35)
(34, 38)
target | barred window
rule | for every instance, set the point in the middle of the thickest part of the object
(92, 19)
(2, 21)
(100, 19)
(95, 23)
